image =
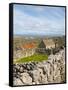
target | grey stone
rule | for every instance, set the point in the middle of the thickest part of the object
(17, 81)
(26, 78)
(50, 71)
(21, 69)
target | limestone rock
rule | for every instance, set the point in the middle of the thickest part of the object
(50, 71)
(17, 81)
(26, 78)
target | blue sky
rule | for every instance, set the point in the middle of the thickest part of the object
(39, 20)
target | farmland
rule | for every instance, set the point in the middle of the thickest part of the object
(33, 58)
(45, 66)
(20, 52)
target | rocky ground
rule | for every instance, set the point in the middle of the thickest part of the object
(46, 72)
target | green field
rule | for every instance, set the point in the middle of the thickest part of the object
(33, 58)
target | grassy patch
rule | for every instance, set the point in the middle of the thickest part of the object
(33, 58)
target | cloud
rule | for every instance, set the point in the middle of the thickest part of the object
(40, 23)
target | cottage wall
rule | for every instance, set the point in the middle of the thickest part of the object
(50, 46)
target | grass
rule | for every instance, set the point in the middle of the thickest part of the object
(33, 58)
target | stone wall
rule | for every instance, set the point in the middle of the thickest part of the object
(46, 72)
(23, 53)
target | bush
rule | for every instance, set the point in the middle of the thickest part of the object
(56, 50)
(48, 51)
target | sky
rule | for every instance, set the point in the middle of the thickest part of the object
(38, 20)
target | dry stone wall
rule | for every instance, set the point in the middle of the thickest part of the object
(46, 72)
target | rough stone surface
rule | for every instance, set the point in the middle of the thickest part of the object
(50, 71)
(17, 81)
(26, 78)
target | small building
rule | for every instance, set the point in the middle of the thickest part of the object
(47, 44)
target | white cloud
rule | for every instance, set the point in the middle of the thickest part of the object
(24, 23)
